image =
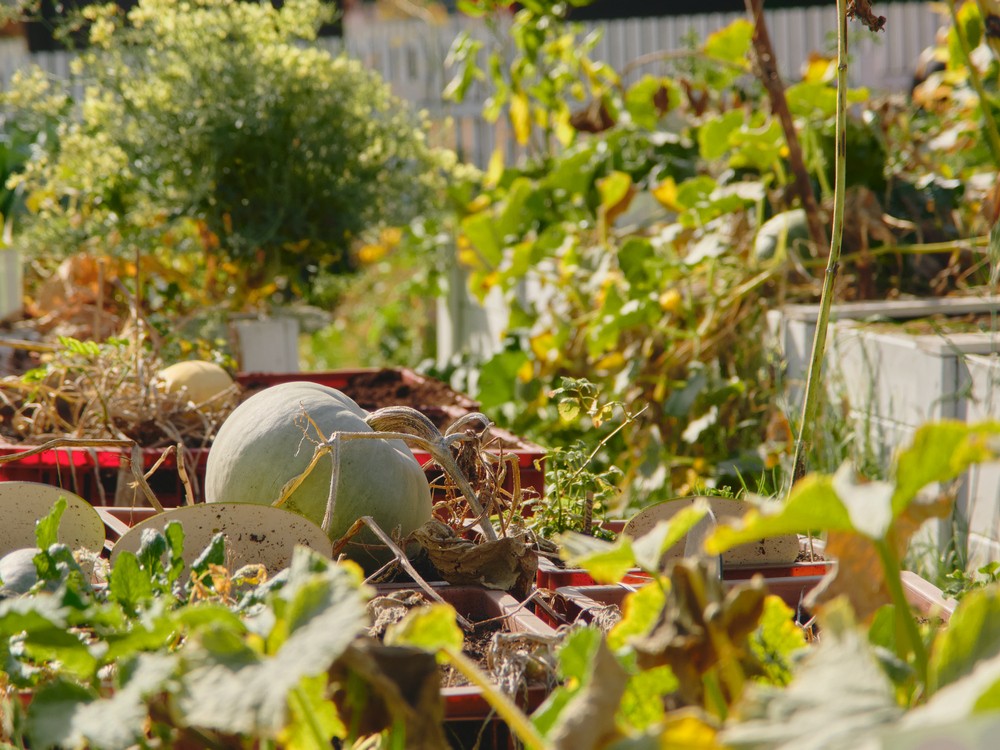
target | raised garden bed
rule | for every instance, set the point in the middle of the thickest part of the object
(896, 364)
(590, 603)
(101, 476)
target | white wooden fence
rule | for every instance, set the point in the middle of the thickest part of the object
(411, 56)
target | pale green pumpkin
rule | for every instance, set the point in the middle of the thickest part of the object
(268, 441)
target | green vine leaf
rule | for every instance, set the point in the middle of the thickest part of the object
(233, 689)
(972, 636)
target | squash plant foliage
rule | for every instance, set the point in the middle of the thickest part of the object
(152, 658)
(218, 130)
(623, 241)
(690, 667)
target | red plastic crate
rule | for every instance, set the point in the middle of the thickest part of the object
(98, 474)
(93, 473)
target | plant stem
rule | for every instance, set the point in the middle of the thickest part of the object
(308, 718)
(810, 404)
(992, 134)
(904, 618)
(971, 244)
(513, 716)
(767, 71)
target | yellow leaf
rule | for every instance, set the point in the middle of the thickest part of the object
(391, 236)
(543, 346)
(477, 204)
(611, 362)
(469, 258)
(520, 117)
(369, 254)
(526, 372)
(494, 169)
(616, 193)
(670, 301)
(820, 69)
(564, 129)
(686, 730)
(666, 194)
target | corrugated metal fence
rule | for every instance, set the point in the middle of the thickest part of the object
(411, 56)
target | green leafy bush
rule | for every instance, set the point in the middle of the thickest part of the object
(219, 128)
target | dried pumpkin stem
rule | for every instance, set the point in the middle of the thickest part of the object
(409, 424)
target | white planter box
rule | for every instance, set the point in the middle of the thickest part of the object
(892, 379)
(890, 382)
(267, 344)
(978, 506)
(11, 284)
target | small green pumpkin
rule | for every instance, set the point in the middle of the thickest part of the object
(270, 439)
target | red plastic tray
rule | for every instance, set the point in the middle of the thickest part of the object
(93, 473)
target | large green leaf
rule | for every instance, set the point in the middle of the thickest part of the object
(812, 504)
(64, 648)
(607, 562)
(239, 691)
(650, 98)
(731, 43)
(972, 636)
(839, 696)
(651, 546)
(940, 452)
(67, 715)
(640, 612)
(432, 628)
(129, 584)
(581, 714)
(480, 230)
(869, 504)
(31, 613)
(777, 640)
(47, 528)
(574, 655)
(714, 136)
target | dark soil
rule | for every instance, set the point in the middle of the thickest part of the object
(476, 647)
(372, 390)
(938, 325)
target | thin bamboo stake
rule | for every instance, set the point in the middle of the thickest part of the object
(810, 404)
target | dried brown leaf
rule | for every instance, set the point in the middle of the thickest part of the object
(404, 685)
(507, 564)
(588, 720)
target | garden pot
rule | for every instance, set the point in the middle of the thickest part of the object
(779, 552)
(266, 343)
(588, 603)
(102, 475)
